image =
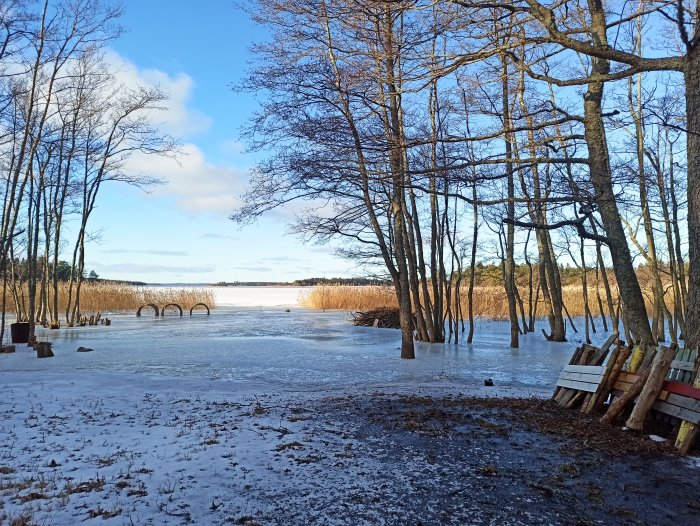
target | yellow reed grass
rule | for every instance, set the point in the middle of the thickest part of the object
(488, 302)
(349, 298)
(117, 297)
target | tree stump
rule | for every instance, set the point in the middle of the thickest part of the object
(43, 350)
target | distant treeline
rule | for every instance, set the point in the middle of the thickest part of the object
(307, 282)
(484, 275)
(358, 282)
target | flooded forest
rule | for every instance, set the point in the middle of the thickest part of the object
(541, 139)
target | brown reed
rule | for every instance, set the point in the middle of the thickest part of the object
(489, 301)
(349, 297)
(119, 297)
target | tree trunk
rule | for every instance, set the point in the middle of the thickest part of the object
(509, 264)
(601, 178)
(472, 265)
(692, 101)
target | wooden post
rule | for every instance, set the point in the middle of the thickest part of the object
(620, 403)
(657, 375)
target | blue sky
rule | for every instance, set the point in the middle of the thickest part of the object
(179, 232)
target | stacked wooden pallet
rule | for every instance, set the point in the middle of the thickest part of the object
(581, 380)
(662, 384)
(677, 397)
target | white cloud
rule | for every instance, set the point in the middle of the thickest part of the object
(196, 184)
(176, 117)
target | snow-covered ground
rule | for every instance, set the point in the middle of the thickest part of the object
(203, 419)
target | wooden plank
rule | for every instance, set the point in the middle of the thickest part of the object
(627, 377)
(684, 401)
(688, 432)
(622, 386)
(580, 386)
(587, 351)
(608, 343)
(677, 371)
(587, 400)
(598, 357)
(679, 365)
(624, 381)
(681, 374)
(582, 377)
(677, 411)
(574, 359)
(682, 389)
(575, 400)
(618, 405)
(589, 369)
(618, 357)
(565, 395)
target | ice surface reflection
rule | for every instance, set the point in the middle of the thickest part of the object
(298, 349)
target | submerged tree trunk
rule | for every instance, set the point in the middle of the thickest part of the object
(509, 261)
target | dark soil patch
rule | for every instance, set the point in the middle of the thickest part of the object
(460, 460)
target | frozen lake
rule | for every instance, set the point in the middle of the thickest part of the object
(265, 347)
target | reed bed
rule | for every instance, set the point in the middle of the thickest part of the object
(489, 300)
(118, 297)
(349, 297)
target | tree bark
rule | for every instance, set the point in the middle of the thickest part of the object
(601, 178)
(657, 375)
(692, 101)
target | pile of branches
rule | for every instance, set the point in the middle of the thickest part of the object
(385, 317)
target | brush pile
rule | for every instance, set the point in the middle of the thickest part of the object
(384, 317)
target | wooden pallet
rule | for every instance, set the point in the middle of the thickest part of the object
(582, 377)
(677, 398)
(580, 381)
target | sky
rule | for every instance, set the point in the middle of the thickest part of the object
(179, 232)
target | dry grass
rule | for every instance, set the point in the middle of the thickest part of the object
(489, 301)
(348, 297)
(115, 297)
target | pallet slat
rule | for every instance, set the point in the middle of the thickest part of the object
(682, 388)
(677, 411)
(681, 365)
(683, 401)
(589, 369)
(582, 377)
(580, 386)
